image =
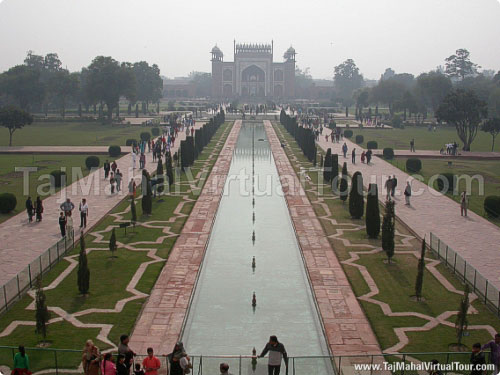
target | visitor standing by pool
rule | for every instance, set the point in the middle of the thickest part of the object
(91, 358)
(277, 352)
(21, 363)
(175, 359)
(151, 364)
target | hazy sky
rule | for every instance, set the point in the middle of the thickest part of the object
(409, 36)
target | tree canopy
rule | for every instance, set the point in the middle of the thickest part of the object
(14, 118)
(459, 65)
(347, 79)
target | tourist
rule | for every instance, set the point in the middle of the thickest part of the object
(90, 358)
(494, 348)
(134, 158)
(463, 204)
(62, 224)
(38, 209)
(142, 161)
(118, 179)
(185, 363)
(107, 167)
(124, 350)
(277, 352)
(369, 156)
(132, 188)
(353, 156)
(477, 360)
(388, 188)
(112, 182)
(224, 369)
(151, 364)
(363, 157)
(138, 370)
(326, 137)
(121, 367)
(29, 209)
(84, 212)
(344, 150)
(174, 359)
(407, 193)
(412, 145)
(394, 184)
(21, 363)
(114, 166)
(107, 365)
(434, 369)
(67, 206)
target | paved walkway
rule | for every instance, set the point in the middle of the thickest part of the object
(473, 237)
(435, 154)
(161, 320)
(22, 242)
(347, 328)
(58, 149)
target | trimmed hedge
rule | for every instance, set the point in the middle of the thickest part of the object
(8, 202)
(360, 139)
(446, 182)
(114, 151)
(155, 131)
(413, 165)
(92, 162)
(58, 178)
(371, 145)
(492, 206)
(130, 142)
(145, 136)
(388, 153)
(348, 133)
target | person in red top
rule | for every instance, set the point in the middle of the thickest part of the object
(151, 364)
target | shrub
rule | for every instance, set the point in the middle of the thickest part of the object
(397, 122)
(114, 151)
(92, 162)
(388, 153)
(145, 136)
(372, 212)
(130, 142)
(413, 165)
(356, 200)
(492, 206)
(446, 182)
(348, 133)
(155, 131)
(360, 139)
(8, 202)
(372, 145)
(58, 177)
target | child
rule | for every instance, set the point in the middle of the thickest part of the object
(138, 370)
(121, 368)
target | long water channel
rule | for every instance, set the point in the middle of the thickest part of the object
(221, 318)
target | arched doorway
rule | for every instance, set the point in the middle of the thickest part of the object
(253, 81)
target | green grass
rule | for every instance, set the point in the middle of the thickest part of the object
(109, 278)
(395, 281)
(399, 139)
(71, 134)
(13, 182)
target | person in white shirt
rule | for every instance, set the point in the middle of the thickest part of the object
(84, 212)
(134, 157)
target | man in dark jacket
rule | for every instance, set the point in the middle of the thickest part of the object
(494, 348)
(277, 352)
(477, 360)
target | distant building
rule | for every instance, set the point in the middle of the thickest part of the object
(179, 88)
(253, 73)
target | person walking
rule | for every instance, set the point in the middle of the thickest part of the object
(29, 209)
(134, 159)
(106, 167)
(118, 179)
(463, 204)
(174, 359)
(494, 347)
(132, 188)
(412, 145)
(114, 166)
(388, 188)
(91, 358)
(151, 364)
(62, 224)
(67, 206)
(477, 360)
(38, 209)
(407, 193)
(353, 156)
(368, 156)
(112, 182)
(277, 352)
(21, 363)
(344, 150)
(124, 350)
(84, 213)
(394, 184)
(107, 365)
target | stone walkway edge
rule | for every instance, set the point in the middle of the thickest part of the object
(161, 321)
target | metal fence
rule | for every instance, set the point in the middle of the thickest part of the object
(18, 286)
(67, 361)
(480, 285)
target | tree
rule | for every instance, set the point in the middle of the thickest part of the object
(159, 176)
(356, 199)
(202, 83)
(492, 126)
(347, 79)
(147, 200)
(327, 166)
(432, 88)
(388, 91)
(465, 111)
(112, 243)
(372, 212)
(170, 171)
(42, 314)
(83, 269)
(335, 171)
(459, 65)
(389, 73)
(61, 86)
(133, 212)
(344, 186)
(420, 273)
(14, 118)
(22, 84)
(494, 103)
(388, 230)
(461, 323)
(149, 84)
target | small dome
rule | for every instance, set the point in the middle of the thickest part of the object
(290, 50)
(216, 50)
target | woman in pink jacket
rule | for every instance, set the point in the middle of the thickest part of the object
(107, 365)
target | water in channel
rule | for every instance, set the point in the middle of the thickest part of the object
(248, 224)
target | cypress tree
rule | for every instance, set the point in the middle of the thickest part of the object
(147, 200)
(335, 171)
(184, 155)
(420, 273)
(158, 108)
(159, 176)
(372, 212)
(321, 163)
(356, 199)
(79, 110)
(136, 110)
(118, 109)
(327, 168)
(170, 172)
(344, 185)
(129, 109)
(462, 322)
(42, 314)
(388, 230)
(112, 243)
(315, 162)
(133, 212)
(83, 269)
